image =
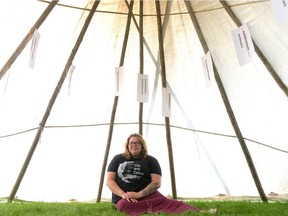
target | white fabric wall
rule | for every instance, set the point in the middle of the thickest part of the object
(208, 158)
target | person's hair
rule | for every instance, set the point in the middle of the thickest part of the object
(143, 153)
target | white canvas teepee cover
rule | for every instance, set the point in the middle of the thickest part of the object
(208, 158)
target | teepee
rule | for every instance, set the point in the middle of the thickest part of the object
(205, 82)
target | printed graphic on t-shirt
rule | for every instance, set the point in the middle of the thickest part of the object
(129, 171)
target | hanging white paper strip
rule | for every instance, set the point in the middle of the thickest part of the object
(208, 69)
(142, 88)
(119, 79)
(243, 45)
(281, 9)
(166, 102)
(34, 45)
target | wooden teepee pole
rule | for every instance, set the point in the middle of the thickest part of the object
(260, 54)
(228, 107)
(52, 100)
(164, 85)
(113, 114)
(27, 38)
(141, 67)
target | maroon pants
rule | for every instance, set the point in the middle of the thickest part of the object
(154, 203)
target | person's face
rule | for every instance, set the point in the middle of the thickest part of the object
(134, 146)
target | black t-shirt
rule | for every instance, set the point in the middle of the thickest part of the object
(133, 174)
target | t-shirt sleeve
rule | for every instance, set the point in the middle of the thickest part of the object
(155, 166)
(113, 165)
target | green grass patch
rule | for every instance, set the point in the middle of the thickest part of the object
(244, 208)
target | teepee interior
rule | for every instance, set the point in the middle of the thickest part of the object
(204, 81)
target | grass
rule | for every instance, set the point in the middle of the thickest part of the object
(243, 208)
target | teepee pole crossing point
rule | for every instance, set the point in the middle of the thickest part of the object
(52, 101)
(27, 38)
(228, 107)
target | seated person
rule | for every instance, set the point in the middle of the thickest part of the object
(134, 178)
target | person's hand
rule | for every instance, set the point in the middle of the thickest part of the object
(134, 195)
(129, 196)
